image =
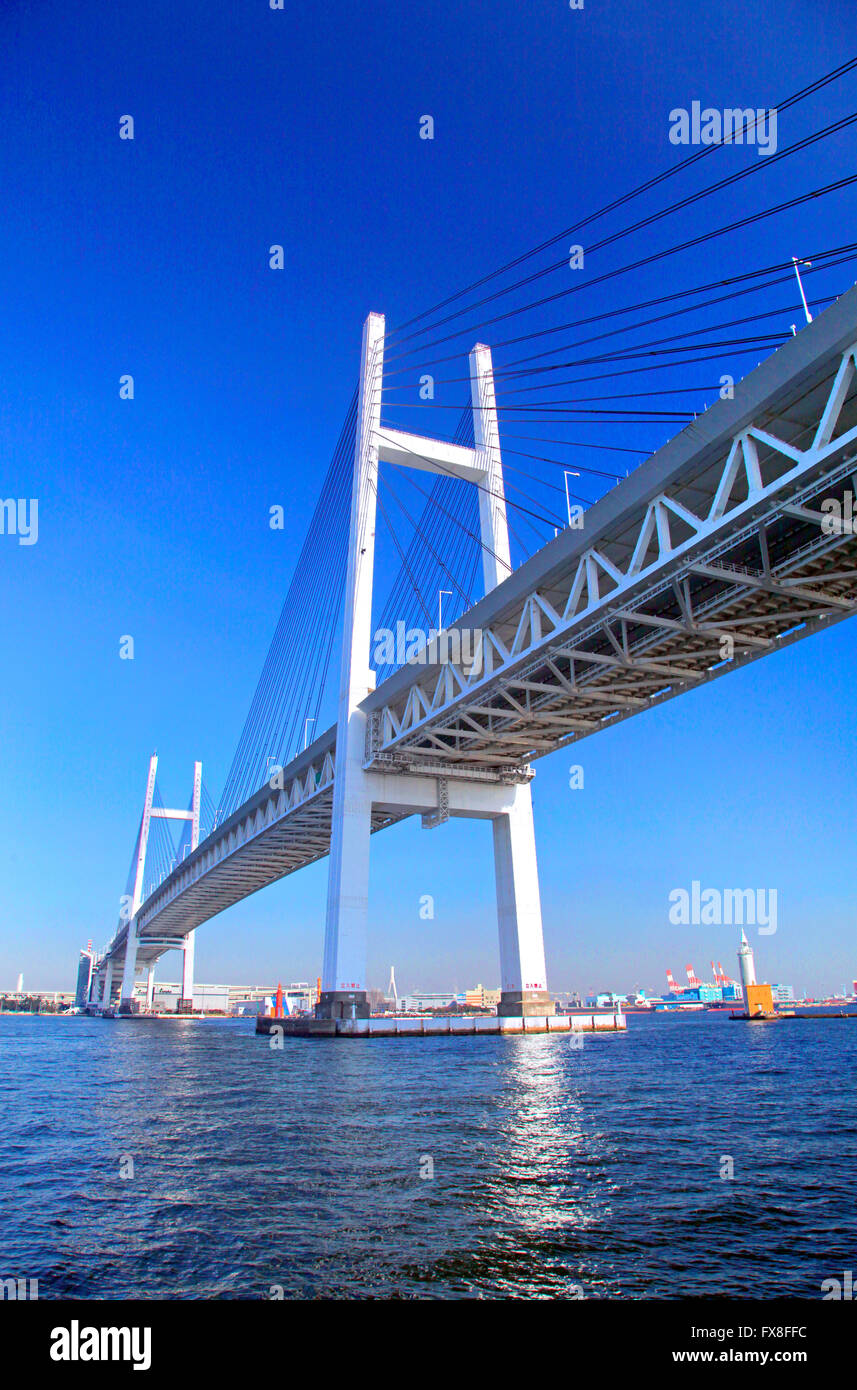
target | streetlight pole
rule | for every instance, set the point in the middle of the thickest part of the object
(797, 264)
(568, 473)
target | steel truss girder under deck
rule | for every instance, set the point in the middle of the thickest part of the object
(724, 567)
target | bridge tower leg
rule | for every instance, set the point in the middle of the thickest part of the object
(523, 982)
(107, 986)
(129, 972)
(127, 992)
(186, 1001)
(494, 528)
(150, 989)
(343, 990)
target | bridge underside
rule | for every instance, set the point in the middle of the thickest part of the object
(264, 857)
(773, 584)
(724, 555)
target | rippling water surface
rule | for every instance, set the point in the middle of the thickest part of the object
(302, 1167)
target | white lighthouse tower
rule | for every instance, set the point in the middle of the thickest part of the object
(746, 964)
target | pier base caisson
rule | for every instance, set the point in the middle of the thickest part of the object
(525, 1003)
(337, 1003)
(441, 1026)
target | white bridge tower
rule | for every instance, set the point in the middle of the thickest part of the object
(101, 984)
(445, 791)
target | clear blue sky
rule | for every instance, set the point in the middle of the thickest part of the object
(300, 127)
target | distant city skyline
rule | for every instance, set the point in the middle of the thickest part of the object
(653, 987)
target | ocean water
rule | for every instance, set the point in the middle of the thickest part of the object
(445, 1168)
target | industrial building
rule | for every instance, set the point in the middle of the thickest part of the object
(298, 998)
(425, 1003)
(166, 997)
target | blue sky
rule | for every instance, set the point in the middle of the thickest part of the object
(300, 127)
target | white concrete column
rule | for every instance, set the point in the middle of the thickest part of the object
(523, 979)
(126, 994)
(344, 971)
(150, 988)
(144, 834)
(496, 561)
(189, 946)
(187, 970)
(519, 913)
(108, 983)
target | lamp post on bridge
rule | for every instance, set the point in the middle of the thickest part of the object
(569, 473)
(797, 265)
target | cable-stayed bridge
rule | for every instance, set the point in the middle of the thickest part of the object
(727, 542)
(723, 547)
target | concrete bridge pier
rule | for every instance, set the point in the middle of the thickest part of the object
(129, 972)
(523, 977)
(186, 1001)
(509, 808)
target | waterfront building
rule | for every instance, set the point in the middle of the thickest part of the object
(49, 1000)
(706, 994)
(237, 1000)
(251, 992)
(299, 998)
(167, 994)
(424, 1003)
(783, 994)
(251, 1008)
(482, 998)
(84, 977)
